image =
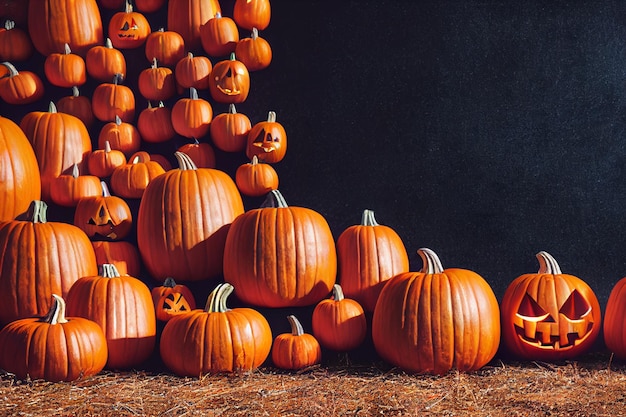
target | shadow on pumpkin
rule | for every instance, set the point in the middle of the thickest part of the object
(126, 353)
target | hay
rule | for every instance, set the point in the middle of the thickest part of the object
(594, 386)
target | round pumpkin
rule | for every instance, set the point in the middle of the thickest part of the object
(157, 83)
(280, 256)
(368, 254)
(77, 105)
(256, 179)
(229, 81)
(124, 255)
(120, 135)
(67, 190)
(193, 71)
(267, 140)
(216, 339)
(255, 52)
(54, 348)
(102, 162)
(122, 306)
(20, 182)
(339, 323)
(183, 221)
(104, 62)
(201, 154)
(104, 216)
(296, 350)
(130, 180)
(155, 124)
(129, 29)
(549, 315)
(219, 36)
(112, 99)
(615, 320)
(65, 69)
(229, 131)
(166, 46)
(192, 116)
(436, 320)
(20, 87)
(171, 299)
(15, 43)
(251, 14)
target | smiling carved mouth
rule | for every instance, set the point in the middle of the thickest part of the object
(553, 342)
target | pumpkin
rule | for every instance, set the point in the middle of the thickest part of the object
(183, 221)
(102, 162)
(256, 179)
(549, 315)
(614, 319)
(296, 350)
(255, 52)
(103, 217)
(167, 47)
(65, 69)
(157, 83)
(120, 135)
(124, 255)
(368, 254)
(20, 87)
(219, 35)
(251, 14)
(201, 154)
(267, 140)
(217, 339)
(191, 116)
(155, 124)
(59, 140)
(15, 44)
(129, 29)
(171, 299)
(193, 71)
(229, 81)
(436, 320)
(149, 6)
(229, 131)
(77, 105)
(20, 182)
(131, 180)
(339, 323)
(111, 100)
(54, 347)
(122, 306)
(54, 23)
(67, 190)
(280, 256)
(39, 258)
(187, 16)
(104, 62)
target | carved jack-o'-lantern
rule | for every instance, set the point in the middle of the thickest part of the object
(549, 315)
(267, 140)
(128, 29)
(171, 299)
(229, 81)
(104, 217)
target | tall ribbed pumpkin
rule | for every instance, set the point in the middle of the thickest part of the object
(37, 259)
(280, 256)
(436, 320)
(20, 182)
(183, 220)
(59, 140)
(187, 16)
(54, 23)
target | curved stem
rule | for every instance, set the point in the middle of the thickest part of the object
(274, 199)
(105, 189)
(368, 219)
(75, 172)
(12, 70)
(547, 264)
(296, 326)
(169, 282)
(52, 108)
(216, 303)
(56, 314)
(431, 262)
(271, 116)
(338, 292)
(184, 161)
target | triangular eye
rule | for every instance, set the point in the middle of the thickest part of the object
(268, 137)
(530, 310)
(575, 307)
(260, 137)
(125, 27)
(102, 212)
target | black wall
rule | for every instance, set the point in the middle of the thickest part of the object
(484, 130)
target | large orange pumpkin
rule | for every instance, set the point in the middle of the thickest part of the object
(39, 258)
(216, 339)
(549, 315)
(436, 320)
(280, 256)
(20, 182)
(183, 220)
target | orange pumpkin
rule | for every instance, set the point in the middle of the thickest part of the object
(255, 52)
(20, 87)
(193, 71)
(187, 16)
(65, 69)
(77, 105)
(129, 29)
(256, 179)
(614, 320)
(219, 36)
(171, 299)
(229, 131)
(15, 44)
(167, 47)
(192, 116)
(201, 154)
(102, 162)
(296, 350)
(130, 180)
(124, 255)
(267, 140)
(104, 216)
(120, 135)
(112, 99)
(68, 189)
(251, 14)
(155, 124)
(104, 62)
(217, 339)
(229, 81)
(436, 320)
(157, 83)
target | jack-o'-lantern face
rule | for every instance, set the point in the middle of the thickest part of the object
(128, 29)
(172, 299)
(549, 315)
(104, 217)
(267, 140)
(229, 81)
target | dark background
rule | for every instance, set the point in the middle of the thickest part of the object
(484, 130)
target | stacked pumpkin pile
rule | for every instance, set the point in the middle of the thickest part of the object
(84, 294)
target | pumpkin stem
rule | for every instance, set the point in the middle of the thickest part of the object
(108, 271)
(218, 15)
(118, 120)
(52, 108)
(105, 189)
(169, 282)
(108, 43)
(368, 218)
(129, 6)
(255, 160)
(75, 172)
(67, 49)
(274, 199)
(271, 116)
(193, 93)
(154, 63)
(232, 57)
(9, 24)
(232, 109)
(56, 313)
(296, 326)
(432, 264)
(216, 303)
(184, 161)
(12, 70)
(338, 292)
(255, 33)
(75, 92)
(547, 264)
(37, 212)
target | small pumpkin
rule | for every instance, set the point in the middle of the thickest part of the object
(102, 162)
(296, 350)
(217, 339)
(229, 131)
(193, 71)
(68, 189)
(129, 29)
(256, 179)
(166, 46)
(201, 153)
(113, 99)
(157, 82)
(104, 217)
(251, 14)
(339, 323)
(120, 135)
(229, 81)
(20, 87)
(65, 69)
(15, 44)
(103, 62)
(77, 105)
(171, 299)
(54, 347)
(130, 180)
(155, 123)
(267, 140)
(191, 116)
(255, 52)
(219, 35)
